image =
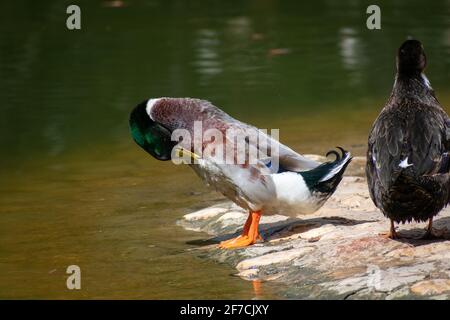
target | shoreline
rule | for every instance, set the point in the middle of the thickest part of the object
(337, 252)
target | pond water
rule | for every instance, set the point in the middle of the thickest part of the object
(75, 189)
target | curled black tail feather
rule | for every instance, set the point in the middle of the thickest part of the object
(326, 177)
(338, 156)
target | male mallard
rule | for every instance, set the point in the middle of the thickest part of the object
(296, 185)
(407, 159)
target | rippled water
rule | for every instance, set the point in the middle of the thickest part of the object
(74, 187)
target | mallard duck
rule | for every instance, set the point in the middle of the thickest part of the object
(277, 182)
(407, 158)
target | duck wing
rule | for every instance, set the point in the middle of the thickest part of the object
(185, 113)
(411, 138)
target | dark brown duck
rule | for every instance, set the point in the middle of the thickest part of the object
(407, 159)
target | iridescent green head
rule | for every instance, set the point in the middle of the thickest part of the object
(150, 135)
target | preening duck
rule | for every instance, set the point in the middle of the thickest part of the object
(278, 180)
(407, 159)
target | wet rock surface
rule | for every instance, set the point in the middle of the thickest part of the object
(338, 252)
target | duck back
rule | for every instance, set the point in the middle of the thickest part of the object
(407, 159)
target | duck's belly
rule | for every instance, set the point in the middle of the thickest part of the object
(214, 177)
(284, 193)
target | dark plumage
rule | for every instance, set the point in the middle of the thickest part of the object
(407, 159)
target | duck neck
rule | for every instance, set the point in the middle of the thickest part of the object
(414, 84)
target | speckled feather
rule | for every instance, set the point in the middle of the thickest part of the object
(407, 161)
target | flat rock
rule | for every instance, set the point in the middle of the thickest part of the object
(206, 213)
(273, 258)
(431, 287)
(337, 252)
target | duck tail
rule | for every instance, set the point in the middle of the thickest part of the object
(326, 177)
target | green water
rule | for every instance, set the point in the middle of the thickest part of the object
(74, 187)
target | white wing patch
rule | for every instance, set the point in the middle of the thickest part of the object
(404, 163)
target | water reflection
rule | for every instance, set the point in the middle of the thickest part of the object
(349, 48)
(240, 27)
(207, 62)
(244, 58)
(351, 52)
(54, 136)
(447, 39)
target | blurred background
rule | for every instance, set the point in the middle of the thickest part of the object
(75, 189)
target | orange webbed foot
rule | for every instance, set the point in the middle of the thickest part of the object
(249, 235)
(391, 234)
(227, 242)
(239, 242)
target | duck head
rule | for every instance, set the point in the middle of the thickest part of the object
(411, 58)
(151, 136)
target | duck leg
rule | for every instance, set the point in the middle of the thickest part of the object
(249, 235)
(244, 233)
(392, 234)
(434, 233)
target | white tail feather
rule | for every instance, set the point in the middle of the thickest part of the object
(336, 169)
